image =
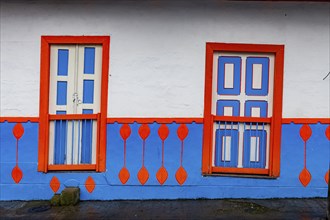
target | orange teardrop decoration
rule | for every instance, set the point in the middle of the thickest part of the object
(305, 177)
(90, 184)
(326, 177)
(143, 175)
(144, 131)
(162, 175)
(305, 132)
(182, 132)
(163, 132)
(327, 132)
(18, 130)
(181, 175)
(17, 174)
(54, 184)
(123, 175)
(125, 131)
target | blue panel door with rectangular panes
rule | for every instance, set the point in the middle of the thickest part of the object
(242, 89)
(75, 77)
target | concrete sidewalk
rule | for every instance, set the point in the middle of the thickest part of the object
(169, 209)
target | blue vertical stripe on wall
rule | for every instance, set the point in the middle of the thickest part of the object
(89, 60)
(60, 139)
(61, 93)
(86, 139)
(88, 91)
(264, 61)
(262, 134)
(63, 61)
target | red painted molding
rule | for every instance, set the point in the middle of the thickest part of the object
(72, 167)
(19, 119)
(73, 117)
(306, 120)
(241, 119)
(156, 120)
(229, 170)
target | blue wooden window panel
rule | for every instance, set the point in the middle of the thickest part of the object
(87, 138)
(88, 91)
(262, 135)
(89, 60)
(62, 62)
(61, 93)
(249, 90)
(236, 61)
(219, 144)
(60, 139)
(263, 105)
(221, 104)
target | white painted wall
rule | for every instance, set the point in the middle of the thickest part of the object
(157, 54)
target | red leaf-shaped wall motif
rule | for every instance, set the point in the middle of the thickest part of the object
(181, 175)
(162, 175)
(182, 131)
(17, 174)
(326, 177)
(305, 132)
(90, 184)
(143, 175)
(163, 132)
(144, 131)
(305, 177)
(125, 131)
(327, 132)
(18, 130)
(54, 184)
(123, 175)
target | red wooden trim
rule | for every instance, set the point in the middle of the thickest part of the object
(72, 167)
(251, 171)
(154, 120)
(19, 119)
(251, 48)
(101, 165)
(306, 120)
(276, 124)
(46, 41)
(98, 141)
(208, 121)
(76, 39)
(73, 117)
(241, 119)
(43, 107)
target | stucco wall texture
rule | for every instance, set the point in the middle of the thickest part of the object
(157, 51)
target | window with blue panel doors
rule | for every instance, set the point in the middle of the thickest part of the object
(74, 103)
(242, 103)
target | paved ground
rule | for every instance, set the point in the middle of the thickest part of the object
(169, 209)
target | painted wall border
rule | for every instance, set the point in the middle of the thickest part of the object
(19, 119)
(155, 120)
(22, 119)
(306, 120)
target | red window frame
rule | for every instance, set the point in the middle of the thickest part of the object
(46, 42)
(275, 120)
